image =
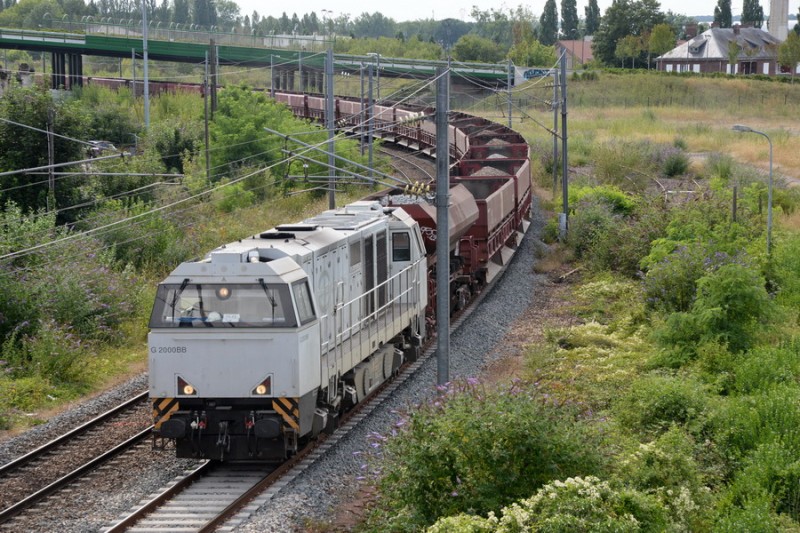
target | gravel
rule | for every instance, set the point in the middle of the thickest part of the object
(332, 481)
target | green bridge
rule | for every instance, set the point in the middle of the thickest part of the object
(286, 53)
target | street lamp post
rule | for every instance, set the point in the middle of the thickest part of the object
(748, 129)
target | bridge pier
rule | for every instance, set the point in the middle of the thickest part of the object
(59, 62)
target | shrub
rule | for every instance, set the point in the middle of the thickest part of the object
(654, 403)
(720, 166)
(733, 305)
(771, 469)
(743, 423)
(619, 201)
(576, 504)
(754, 516)
(473, 450)
(666, 469)
(54, 353)
(764, 366)
(676, 164)
(784, 267)
(671, 283)
(680, 143)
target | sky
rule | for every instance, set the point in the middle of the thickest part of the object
(403, 10)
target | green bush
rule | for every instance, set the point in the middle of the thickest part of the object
(743, 423)
(784, 267)
(150, 241)
(576, 504)
(764, 366)
(23, 394)
(676, 164)
(54, 353)
(731, 307)
(666, 469)
(472, 450)
(771, 469)
(755, 515)
(620, 202)
(654, 403)
(605, 239)
(671, 283)
(233, 197)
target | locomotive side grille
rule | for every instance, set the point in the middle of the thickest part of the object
(163, 409)
(289, 410)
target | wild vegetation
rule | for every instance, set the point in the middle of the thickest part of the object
(80, 255)
(672, 406)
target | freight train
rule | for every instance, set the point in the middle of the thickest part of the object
(266, 341)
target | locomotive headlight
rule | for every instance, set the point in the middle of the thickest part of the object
(223, 293)
(264, 388)
(185, 388)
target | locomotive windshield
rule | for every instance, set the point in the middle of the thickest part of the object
(258, 305)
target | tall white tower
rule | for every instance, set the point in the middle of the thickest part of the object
(779, 19)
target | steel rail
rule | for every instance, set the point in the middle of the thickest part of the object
(16, 463)
(22, 505)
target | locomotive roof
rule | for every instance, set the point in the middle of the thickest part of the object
(350, 217)
(317, 233)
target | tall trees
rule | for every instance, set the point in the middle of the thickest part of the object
(472, 47)
(661, 41)
(493, 25)
(752, 14)
(180, 11)
(789, 53)
(722, 14)
(548, 30)
(623, 18)
(592, 12)
(569, 19)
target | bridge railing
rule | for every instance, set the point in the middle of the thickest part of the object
(191, 33)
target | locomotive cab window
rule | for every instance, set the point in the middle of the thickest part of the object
(401, 247)
(260, 305)
(302, 298)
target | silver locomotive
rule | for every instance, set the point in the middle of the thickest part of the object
(265, 341)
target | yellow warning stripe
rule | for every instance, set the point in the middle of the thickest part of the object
(163, 409)
(289, 409)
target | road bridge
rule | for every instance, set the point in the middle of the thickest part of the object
(298, 60)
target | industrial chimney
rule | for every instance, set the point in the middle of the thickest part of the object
(779, 19)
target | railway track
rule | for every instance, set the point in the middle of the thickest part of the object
(31, 478)
(409, 166)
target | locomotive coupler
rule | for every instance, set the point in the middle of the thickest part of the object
(198, 424)
(249, 424)
(223, 439)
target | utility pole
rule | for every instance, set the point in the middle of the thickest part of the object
(331, 122)
(213, 76)
(146, 76)
(442, 228)
(510, 94)
(555, 133)
(370, 118)
(363, 115)
(51, 180)
(564, 177)
(205, 112)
